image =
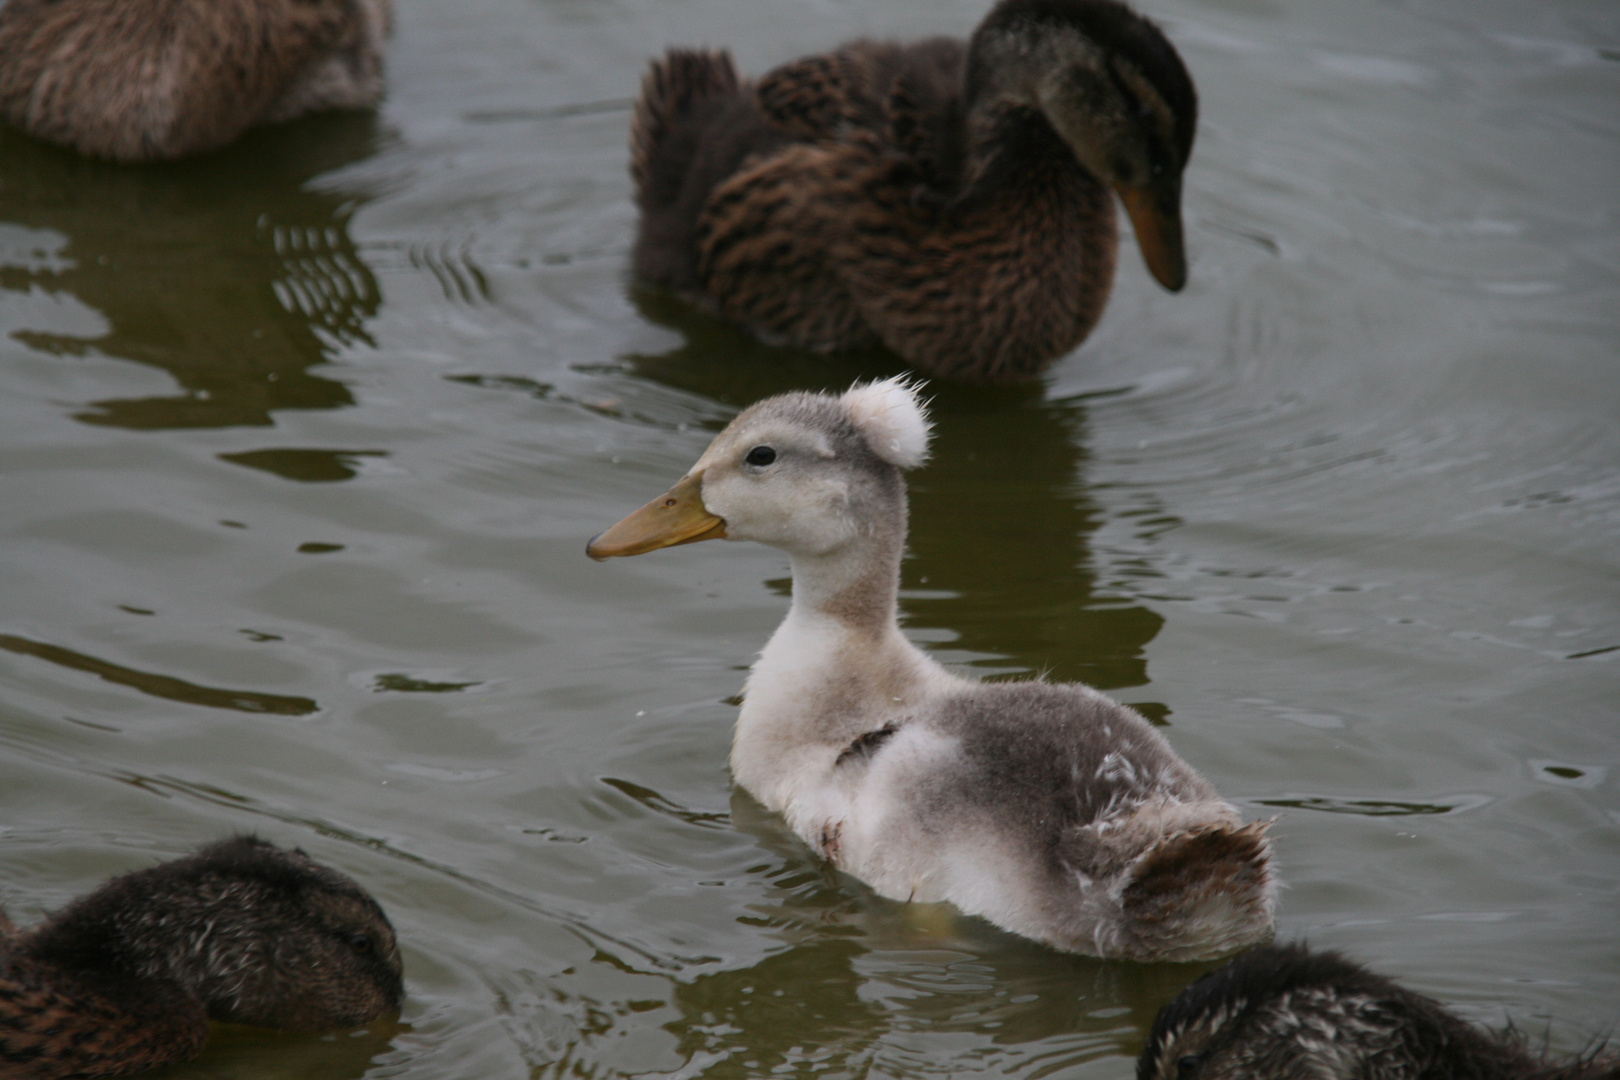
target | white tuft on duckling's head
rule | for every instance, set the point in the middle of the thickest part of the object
(892, 418)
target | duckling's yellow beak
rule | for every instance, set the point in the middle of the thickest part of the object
(1155, 211)
(678, 516)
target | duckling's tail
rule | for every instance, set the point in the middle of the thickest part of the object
(1200, 894)
(670, 90)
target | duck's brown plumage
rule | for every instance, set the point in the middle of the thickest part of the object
(931, 197)
(144, 80)
(127, 978)
(1287, 1013)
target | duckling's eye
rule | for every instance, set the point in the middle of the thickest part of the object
(760, 456)
(1187, 1067)
(360, 943)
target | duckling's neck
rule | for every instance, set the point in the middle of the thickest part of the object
(855, 586)
(837, 668)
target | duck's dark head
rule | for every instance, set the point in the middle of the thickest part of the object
(1286, 1013)
(261, 934)
(1114, 89)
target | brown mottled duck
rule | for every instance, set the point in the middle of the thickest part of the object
(947, 199)
(1046, 808)
(127, 978)
(144, 80)
(1286, 1013)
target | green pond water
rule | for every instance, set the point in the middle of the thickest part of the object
(300, 444)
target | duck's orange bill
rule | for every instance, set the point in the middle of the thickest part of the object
(678, 516)
(1155, 211)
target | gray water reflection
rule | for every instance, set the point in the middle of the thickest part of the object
(229, 272)
(1348, 504)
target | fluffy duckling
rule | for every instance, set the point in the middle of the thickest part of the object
(948, 199)
(127, 978)
(1048, 809)
(144, 80)
(1286, 1013)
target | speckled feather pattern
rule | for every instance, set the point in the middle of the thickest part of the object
(142, 80)
(1286, 1013)
(128, 977)
(872, 195)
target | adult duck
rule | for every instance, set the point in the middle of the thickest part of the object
(948, 199)
(128, 977)
(144, 80)
(1287, 1013)
(1049, 809)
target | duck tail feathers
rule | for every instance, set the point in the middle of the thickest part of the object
(1201, 894)
(672, 87)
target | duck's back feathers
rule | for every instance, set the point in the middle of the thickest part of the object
(142, 80)
(672, 90)
(695, 124)
(1286, 1012)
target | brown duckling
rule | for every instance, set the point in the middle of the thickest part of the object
(948, 199)
(144, 80)
(127, 978)
(1283, 1012)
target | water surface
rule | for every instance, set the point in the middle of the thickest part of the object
(300, 444)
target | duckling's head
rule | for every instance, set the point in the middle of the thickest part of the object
(807, 473)
(1114, 88)
(1277, 1011)
(261, 934)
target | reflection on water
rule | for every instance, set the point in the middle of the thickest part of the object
(236, 1051)
(1000, 517)
(228, 271)
(1375, 807)
(856, 977)
(161, 686)
(306, 465)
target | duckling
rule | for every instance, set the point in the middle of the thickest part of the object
(127, 978)
(144, 80)
(947, 199)
(1049, 809)
(1287, 1013)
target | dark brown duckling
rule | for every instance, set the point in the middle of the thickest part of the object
(948, 199)
(1287, 1013)
(144, 80)
(128, 977)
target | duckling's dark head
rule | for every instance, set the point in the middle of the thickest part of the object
(1286, 1013)
(262, 935)
(1114, 89)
